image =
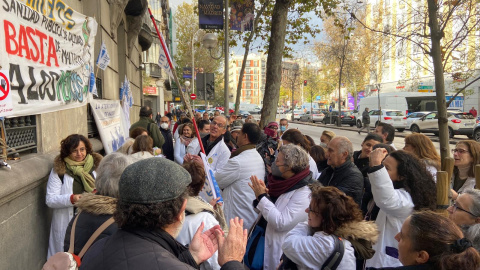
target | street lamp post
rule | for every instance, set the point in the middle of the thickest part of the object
(193, 65)
(210, 41)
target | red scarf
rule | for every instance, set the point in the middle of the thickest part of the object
(278, 186)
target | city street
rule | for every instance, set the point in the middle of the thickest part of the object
(315, 130)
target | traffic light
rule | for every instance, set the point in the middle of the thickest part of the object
(305, 83)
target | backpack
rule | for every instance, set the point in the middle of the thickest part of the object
(68, 260)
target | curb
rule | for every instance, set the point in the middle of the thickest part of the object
(397, 134)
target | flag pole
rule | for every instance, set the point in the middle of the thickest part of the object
(175, 77)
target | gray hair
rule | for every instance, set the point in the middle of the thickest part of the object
(344, 145)
(472, 232)
(108, 173)
(296, 158)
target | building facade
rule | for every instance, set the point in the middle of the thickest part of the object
(401, 64)
(254, 79)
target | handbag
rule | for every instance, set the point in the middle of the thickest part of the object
(255, 251)
(68, 260)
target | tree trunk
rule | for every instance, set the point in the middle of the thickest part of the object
(436, 36)
(245, 55)
(274, 61)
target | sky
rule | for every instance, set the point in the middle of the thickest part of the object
(302, 50)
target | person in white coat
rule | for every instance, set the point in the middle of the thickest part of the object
(216, 151)
(399, 186)
(186, 143)
(234, 177)
(283, 204)
(296, 137)
(467, 155)
(331, 214)
(73, 173)
(198, 211)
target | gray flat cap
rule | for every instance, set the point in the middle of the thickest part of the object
(153, 180)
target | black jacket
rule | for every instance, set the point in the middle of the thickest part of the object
(361, 163)
(347, 177)
(95, 210)
(167, 147)
(142, 249)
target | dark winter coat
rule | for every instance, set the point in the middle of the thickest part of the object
(366, 117)
(95, 210)
(346, 177)
(153, 130)
(167, 148)
(142, 249)
(410, 267)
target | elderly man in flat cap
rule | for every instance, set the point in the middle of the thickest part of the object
(150, 213)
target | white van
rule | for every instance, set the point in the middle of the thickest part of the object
(387, 101)
(406, 102)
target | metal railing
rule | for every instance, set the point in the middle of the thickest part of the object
(21, 134)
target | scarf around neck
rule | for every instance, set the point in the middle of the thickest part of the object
(185, 140)
(82, 170)
(278, 186)
(241, 149)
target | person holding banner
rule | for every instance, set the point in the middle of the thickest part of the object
(73, 174)
(147, 123)
(235, 175)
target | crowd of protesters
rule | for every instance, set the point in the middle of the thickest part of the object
(286, 202)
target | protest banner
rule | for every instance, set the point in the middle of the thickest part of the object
(6, 107)
(110, 124)
(48, 53)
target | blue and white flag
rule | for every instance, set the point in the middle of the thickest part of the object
(164, 59)
(103, 58)
(92, 85)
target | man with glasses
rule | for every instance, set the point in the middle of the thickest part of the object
(216, 150)
(167, 148)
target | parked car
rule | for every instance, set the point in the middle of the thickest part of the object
(414, 116)
(297, 114)
(243, 113)
(347, 118)
(459, 123)
(476, 132)
(396, 118)
(316, 116)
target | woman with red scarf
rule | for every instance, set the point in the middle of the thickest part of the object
(282, 205)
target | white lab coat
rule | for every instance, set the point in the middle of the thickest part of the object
(180, 150)
(58, 198)
(218, 156)
(395, 206)
(288, 211)
(311, 251)
(190, 226)
(233, 179)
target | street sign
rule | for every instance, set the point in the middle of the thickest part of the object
(6, 105)
(193, 96)
(330, 108)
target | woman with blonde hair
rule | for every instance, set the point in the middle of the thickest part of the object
(326, 137)
(422, 147)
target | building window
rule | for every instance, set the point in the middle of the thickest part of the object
(21, 134)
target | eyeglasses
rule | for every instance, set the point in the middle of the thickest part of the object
(311, 210)
(273, 127)
(455, 207)
(460, 151)
(213, 123)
